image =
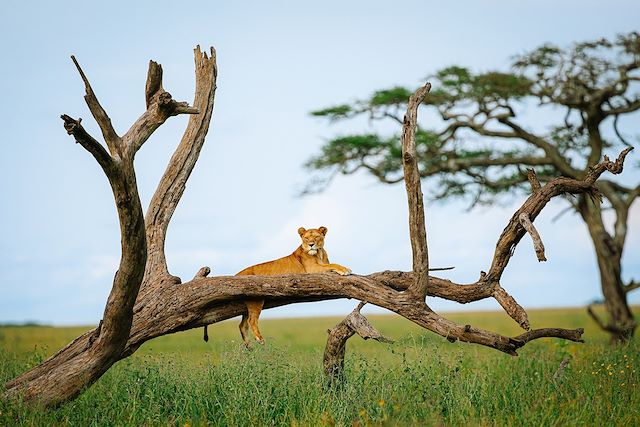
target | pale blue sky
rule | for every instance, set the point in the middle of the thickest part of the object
(277, 61)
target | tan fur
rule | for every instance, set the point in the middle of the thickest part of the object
(309, 257)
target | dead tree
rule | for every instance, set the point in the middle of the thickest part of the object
(146, 301)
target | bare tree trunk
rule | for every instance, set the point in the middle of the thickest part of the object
(621, 323)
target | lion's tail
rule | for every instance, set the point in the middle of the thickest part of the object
(206, 335)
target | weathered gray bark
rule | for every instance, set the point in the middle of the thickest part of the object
(354, 323)
(147, 302)
(77, 366)
(417, 226)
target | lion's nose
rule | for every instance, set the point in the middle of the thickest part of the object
(311, 244)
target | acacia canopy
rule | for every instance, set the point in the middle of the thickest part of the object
(478, 139)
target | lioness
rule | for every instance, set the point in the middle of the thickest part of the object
(309, 257)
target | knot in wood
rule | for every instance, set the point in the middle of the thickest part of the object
(408, 158)
(164, 99)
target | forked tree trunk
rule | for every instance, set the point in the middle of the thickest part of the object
(146, 301)
(74, 368)
(621, 324)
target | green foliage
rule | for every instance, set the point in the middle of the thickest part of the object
(475, 116)
(419, 380)
(334, 113)
(569, 140)
(393, 96)
(459, 84)
(371, 151)
(497, 86)
(546, 56)
(345, 148)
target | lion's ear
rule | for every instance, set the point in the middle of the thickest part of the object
(323, 230)
(301, 231)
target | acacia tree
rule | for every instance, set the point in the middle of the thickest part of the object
(483, 147)
(146, 301)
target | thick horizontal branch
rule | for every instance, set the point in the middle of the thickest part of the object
(196, 303)
(207, 300)
(565, 334)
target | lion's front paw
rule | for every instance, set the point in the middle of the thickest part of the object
(345, 272)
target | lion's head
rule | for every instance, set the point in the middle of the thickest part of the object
(312, 239)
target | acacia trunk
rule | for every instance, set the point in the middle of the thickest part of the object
(621, 323)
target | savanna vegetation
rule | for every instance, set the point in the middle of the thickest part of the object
(421, 379)
(146, 301)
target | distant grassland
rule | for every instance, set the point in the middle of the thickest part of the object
(420, 380)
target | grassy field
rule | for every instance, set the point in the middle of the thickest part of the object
(420, 380)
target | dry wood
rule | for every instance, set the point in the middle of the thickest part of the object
(533, 180)
(537, 241)
(561, 368)
(146, 301)
(354, 323)
(66, 374)
(99, 114)
(174, 180)
(417, 228)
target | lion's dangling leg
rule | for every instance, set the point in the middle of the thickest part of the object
(254, 308)
(244, 330)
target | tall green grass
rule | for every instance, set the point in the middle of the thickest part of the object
(419, 380)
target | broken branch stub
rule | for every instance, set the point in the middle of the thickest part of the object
(535, 237)
(354, 323)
